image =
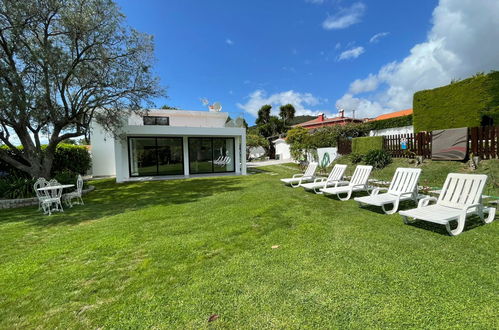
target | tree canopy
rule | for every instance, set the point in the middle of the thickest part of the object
(263, 115)
(287, 112)
(63, 64)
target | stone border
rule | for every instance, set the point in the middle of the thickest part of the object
(22, 202)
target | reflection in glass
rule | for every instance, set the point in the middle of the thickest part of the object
(155, 156)
(208, 155)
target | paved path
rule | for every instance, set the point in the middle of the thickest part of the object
(269, 162)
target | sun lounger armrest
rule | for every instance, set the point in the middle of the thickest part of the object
(319, 180)
(358, 185)
(377, 190)
(297, 175)
(472, 206)
(425, 201)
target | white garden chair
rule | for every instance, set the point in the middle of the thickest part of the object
(41, 195)
(358, 182)
(460, 196)
(333, 180)
(53, 198)
(298, 179)
(75, 194)
(404, 186)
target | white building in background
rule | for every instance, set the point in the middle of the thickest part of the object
(169, 143)
(392, 131)
(282, 149)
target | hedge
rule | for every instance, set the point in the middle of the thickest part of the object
(390, 123)
(460, 104)
(362, 145)
(68, 157)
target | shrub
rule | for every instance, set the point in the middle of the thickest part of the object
(67, 158)
(16, 187)
(460, 104)
(362, 145)
(355, 158)
(377, 158)
(390, 123)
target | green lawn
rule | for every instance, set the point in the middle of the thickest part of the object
(168, 254)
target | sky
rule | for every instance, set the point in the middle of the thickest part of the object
(369, 56)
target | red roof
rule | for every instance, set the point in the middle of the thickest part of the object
(321, 120)
(395, 114)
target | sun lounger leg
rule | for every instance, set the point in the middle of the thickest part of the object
(460, 226)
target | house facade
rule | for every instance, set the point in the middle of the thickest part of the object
(170, 143)
(322, 121)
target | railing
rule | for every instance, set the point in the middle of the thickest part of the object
(485, 141)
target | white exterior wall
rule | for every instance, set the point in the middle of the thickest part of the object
(185, 118)
(102, 152)
(392, 131)
(282, 149)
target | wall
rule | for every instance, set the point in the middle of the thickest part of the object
(282, 149)
(392, 131)
(102, 152)
(185, 118)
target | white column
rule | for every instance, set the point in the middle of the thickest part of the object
(237, 149)
(121, 159)
(186, 155)
(243, 153)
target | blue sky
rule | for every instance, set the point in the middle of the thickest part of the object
(315, 54)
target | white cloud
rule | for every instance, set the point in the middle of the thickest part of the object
(229, 42)
(461, 42)
(345, 17)
(301, 102)
(338, 45)
(351, 53)
(364, 85)
(318, 2)
(375, 38)
(363, 108)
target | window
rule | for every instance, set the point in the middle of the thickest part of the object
(155, 156)
(155, 120)
(210, 155)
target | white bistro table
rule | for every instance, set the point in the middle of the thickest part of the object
(53, 197)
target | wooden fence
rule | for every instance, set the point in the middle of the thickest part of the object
(417, 145)
(482, 142)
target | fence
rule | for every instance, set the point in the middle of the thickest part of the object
(417, 145)
(482, 141)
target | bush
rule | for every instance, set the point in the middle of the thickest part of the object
(67, 157)
(12, 187)
(377, 158)
(390, 123)
(362, 145)
(355, 158)
(460, 104)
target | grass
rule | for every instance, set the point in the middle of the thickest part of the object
(168, 254)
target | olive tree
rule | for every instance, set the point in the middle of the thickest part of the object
(62, 64)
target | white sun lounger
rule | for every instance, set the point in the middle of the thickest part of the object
(358, 182)
(333, 180)
(298, 179)
(461, 196)
(404, 186)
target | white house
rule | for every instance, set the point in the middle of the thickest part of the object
(282, 149)
(169, 143)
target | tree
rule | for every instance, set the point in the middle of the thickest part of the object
(287, 112)
(167, 107)
(63, 64)
(263, 115)
(273, 127)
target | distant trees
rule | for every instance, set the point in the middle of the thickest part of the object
(287, 112)
(167, 107)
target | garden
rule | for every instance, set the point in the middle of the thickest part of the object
(244, 252)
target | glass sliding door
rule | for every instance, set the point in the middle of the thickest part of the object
(155, 156)
(223, 155)
(210, 155)
(170, 156)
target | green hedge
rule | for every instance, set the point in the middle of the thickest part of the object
(460, 104)
(362, 145)
(390, 123)
(68, 157)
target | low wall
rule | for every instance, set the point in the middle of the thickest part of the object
(22, 202)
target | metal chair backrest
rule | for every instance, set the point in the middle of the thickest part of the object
(405, 180)
(79, 184)
(361, 175)
(40, 183)
(55, 193)
(460, 190)
(337, 172)
(311, 168)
